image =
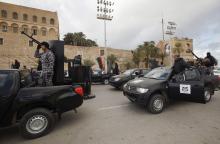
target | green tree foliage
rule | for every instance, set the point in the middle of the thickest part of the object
(162, 55)
(112, 59)
(178, 48)
(78, 39)
(129, 65)
(144, 52)
(88, 62)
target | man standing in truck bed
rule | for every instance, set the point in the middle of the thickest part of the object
(47, 60)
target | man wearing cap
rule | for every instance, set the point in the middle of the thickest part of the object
(47, 60)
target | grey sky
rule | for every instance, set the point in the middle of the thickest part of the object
(136, 21)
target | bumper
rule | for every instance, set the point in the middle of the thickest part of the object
(116, 84)
(137, 98)
(69, 102)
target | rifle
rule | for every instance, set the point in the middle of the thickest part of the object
(200, 60)
(31, 37)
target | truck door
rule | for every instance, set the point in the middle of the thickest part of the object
(6, 90)
(188, 86)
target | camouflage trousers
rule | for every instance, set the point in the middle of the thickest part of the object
(47, 78)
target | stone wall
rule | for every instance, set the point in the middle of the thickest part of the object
(92, 53)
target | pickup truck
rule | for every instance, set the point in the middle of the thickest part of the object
(34, 107)
(159, 86)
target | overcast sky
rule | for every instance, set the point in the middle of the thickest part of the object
(136, 21)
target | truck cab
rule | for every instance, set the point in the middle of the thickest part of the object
(159, 86)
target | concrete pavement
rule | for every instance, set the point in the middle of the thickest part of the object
(111, 118)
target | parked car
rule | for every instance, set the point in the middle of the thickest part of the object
(216, 71)
(99, 76)
(157, 87)
(33, 107)
(119, 80)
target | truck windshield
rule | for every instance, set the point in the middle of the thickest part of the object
(159, 73)
(129, 72)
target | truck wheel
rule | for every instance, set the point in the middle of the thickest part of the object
(106, 81)
(36, 123)
(207, 94)
(156, 104)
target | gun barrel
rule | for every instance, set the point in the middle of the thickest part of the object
(33, 39)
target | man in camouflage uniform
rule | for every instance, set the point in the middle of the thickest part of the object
(47, 60)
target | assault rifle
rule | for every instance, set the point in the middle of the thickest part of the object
(199, 59)
(31, 37)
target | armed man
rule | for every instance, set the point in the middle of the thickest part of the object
(179, 65)
(212, 61)
(47, 60)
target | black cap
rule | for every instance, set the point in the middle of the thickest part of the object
(46, 44)
(208, 53)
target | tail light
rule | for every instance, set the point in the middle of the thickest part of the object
(79, 91)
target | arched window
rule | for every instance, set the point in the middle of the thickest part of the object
(25, 28)
(34, 18)
(14, 28)
(43, 31)
(15, 15)
(4, 13)
(52, 32)
(44, 20)
(34, 30)
(52, 22)
(4, 27)
(25, 17)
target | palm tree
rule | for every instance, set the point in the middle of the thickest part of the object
(136, 57)
(162, 55)
(112, 59)
(150, 51)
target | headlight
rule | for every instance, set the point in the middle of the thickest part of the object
(125, 85)
(142, 90)
(117, 79)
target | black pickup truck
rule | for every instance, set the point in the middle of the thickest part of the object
(33, 107)
(159, 86)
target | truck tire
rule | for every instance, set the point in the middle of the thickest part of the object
(156, 104)
(207, 94)
(36, 123)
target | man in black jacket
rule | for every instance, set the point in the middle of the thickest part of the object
(179, 65)
(212, 61)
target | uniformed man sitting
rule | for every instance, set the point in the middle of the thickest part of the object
(47, 60)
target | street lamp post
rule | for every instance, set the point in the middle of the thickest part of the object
(104, 12)
(171, 31)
